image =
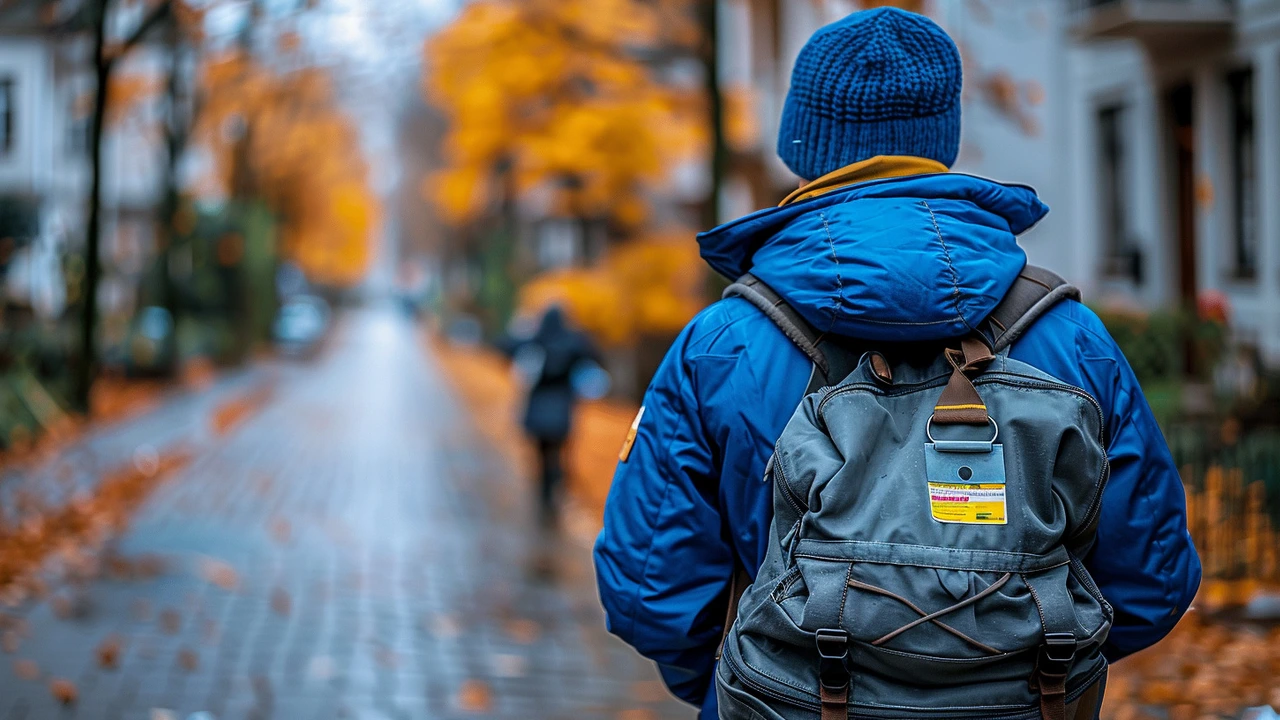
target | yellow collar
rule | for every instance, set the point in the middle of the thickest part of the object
(876, 168)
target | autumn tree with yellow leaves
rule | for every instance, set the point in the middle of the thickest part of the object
(281, 138)
(650, 286)
(559, 94)
(569, 103)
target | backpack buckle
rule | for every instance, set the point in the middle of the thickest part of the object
(1056, 654)
(833, 648)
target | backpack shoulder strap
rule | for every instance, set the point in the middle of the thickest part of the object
(802, 335)
(796, 328)
(1033, 292)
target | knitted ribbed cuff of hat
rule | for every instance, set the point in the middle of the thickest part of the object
(827, 144)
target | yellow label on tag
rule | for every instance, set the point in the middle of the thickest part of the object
(631, 437)
(982, 504)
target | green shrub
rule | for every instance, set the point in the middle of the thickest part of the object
(1167, 345)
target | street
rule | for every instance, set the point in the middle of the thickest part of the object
(351, 548)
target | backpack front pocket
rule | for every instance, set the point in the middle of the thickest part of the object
(947, 620)
(933, 669)
(953, 615)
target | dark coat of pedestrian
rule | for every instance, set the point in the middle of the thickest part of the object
(550, 358)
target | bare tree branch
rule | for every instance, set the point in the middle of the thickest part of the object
(153, 18)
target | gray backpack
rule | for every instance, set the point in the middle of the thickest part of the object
(931, 506)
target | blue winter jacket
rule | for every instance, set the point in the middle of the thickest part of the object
(922, 257)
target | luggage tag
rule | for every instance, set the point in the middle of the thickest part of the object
(966, 480)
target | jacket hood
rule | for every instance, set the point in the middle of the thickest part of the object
(917, 258)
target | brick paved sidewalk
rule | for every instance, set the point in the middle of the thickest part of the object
(353, 550)
(183, 417)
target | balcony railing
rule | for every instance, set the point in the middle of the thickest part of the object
(1159, 24)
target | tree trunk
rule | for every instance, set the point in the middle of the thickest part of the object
(176, 132)
(87, 367)
(710, 17)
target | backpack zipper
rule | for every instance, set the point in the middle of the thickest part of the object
(794, 501)
(898, 390)
(1082, 574)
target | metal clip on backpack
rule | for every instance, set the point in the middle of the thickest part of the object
(931, 506)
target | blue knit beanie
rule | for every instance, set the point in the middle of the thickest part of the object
(879, 82)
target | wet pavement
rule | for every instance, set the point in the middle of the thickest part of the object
(351, 549)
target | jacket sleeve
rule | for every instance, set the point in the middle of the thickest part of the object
(1143, 561)
(662, 561)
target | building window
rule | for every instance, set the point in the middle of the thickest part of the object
(7, 112)
(1244, 176)
(1120, 258)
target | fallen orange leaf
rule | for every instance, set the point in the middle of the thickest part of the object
(523, 631)
(220, 573)
(170, 621)
(26, 669)
(231, 414)
(64, 691)
(83, 522)
(109, 652)
(474, 696)
(188, 660)
(281, 530)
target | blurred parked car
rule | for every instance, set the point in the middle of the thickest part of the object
(301, 324)
(151, 347)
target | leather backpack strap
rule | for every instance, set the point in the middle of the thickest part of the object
(737, 586)
(1032, 294)
(960, 403)
(796, 328)
(833, 358)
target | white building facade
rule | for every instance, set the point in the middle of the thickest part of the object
(46, 94)
(1150, 127)
(31, 153)
(1176, 130)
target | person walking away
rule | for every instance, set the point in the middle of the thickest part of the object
(971, 511)
(550, 359)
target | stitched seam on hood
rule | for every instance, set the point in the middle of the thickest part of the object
(835, 310)
(946, 255)
(856, 191)
(872, 321)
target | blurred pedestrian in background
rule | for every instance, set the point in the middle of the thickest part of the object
(558, 364)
